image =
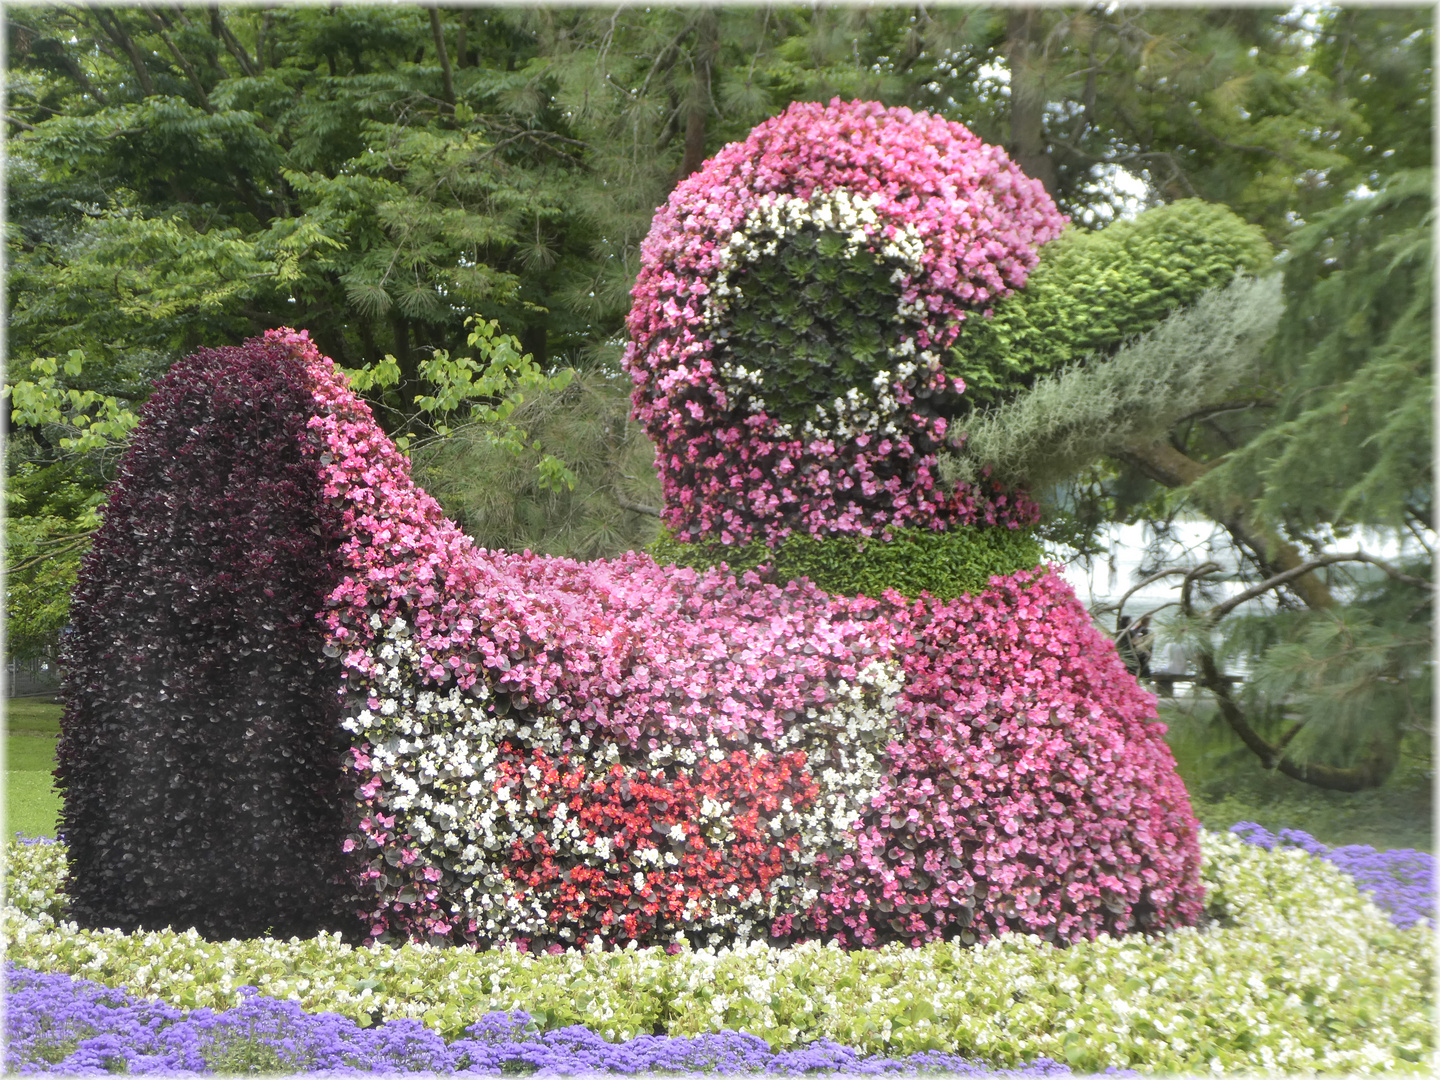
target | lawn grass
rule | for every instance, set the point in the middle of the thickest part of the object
(32, 805)
(1227, 784)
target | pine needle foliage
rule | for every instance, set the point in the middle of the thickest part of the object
(495, 494)
(1354, 428)
(1069, 419)
(1344, 687)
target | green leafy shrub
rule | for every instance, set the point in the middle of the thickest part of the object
(1069, 418)
(945, 564)
(1091, 291)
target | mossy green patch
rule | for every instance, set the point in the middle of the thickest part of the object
(32, 805)
(944, 564)
(814, 322)
(1093, 291)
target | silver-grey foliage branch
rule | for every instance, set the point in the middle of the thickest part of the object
(1074, 417)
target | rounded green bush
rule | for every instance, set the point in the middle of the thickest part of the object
(1092, 291)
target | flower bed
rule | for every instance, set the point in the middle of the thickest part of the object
(1298, 972)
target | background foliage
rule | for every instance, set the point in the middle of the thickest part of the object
(187, 177)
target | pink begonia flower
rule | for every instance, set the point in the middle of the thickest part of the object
(980, 222)
(1018, 780)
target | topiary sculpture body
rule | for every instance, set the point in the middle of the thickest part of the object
(555, 753)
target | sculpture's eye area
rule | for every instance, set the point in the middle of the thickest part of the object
(807, 317)
(809, 320)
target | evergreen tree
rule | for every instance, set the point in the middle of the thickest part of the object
(181, 177)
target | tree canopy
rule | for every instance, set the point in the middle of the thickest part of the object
(386, 175)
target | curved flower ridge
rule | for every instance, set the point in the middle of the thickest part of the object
(557, 753)
(955, 222)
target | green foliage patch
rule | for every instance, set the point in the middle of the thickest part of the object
(1298, 972)
(1071, 418)
(1092, 291)
(945, 564)
(814, 322)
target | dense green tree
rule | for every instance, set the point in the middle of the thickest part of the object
(184, 176)
(187, 177)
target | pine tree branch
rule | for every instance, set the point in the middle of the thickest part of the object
(1119, 605)
(1219, 611)
(185, 64)
(1370, 773)
(220, 30)
(1191, 576)
(667, 57)
(639, 508)
(1221, 407)
(1170, 468)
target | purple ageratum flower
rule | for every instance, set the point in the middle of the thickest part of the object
(31, 841)
(58, 1024)
(1400, 881)
(1254, 834)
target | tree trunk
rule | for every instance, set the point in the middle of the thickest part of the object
(409, 388)
(437, 31)
(221, 31)
(182, 60)
(707, 46)
(1027, 146)
(116, 33)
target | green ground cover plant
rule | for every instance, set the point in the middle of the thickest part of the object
(1293, 971)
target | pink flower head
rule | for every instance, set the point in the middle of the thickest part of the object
(629, 751)
(947, 223)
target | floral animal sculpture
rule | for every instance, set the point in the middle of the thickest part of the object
(297, 696)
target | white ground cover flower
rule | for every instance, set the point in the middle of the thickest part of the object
(1298, 973)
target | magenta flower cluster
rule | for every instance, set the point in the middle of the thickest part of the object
(552, 753)
(57, 1024)
(960, 223)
